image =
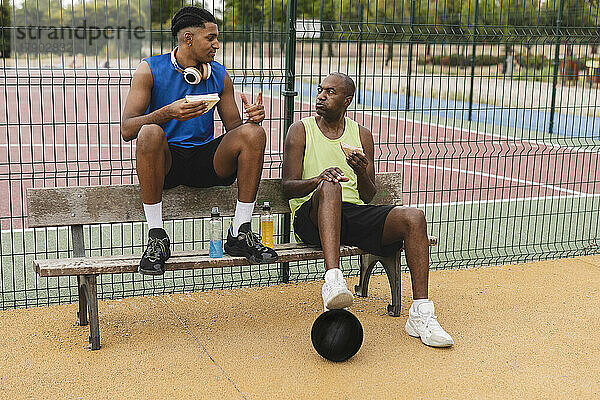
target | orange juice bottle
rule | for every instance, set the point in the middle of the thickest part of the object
(266, 225)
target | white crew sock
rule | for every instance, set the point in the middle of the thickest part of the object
(243, 214)
(333, 275)
(417, 303)
(154, 215)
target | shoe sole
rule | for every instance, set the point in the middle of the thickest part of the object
(342, 300)
(413, 332)
(144, 272)
(251, 259)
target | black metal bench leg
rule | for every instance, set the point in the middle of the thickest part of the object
(367, 262)
(392, 266)
(92, 301)
(82, 314)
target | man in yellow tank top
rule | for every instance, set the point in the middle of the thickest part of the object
(329, 191)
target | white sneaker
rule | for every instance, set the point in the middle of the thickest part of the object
(423, 323)
(335, 291)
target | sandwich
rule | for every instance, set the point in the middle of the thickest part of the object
(211, 99)
(347, 149)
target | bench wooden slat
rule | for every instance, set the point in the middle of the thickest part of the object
(287, 252)
(179, 261)
(86, 205)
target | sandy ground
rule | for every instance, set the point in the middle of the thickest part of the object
(523, 331)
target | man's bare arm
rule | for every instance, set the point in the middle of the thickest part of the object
(139, 96)
(227, 108)
(137, 101)
(366, 176)
(293, 155)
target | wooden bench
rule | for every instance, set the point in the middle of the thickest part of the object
(90, 205)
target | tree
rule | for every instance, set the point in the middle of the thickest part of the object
(575, 14)
(244, 13)
(579, 21)
(517, 21)
(442, 19)
(162, 11)
(488, 20)
(448, 15)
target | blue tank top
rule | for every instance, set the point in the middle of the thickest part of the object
(169, 86)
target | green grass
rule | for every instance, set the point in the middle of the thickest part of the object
(545, 74)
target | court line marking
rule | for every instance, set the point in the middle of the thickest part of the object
(64, 228)
(513, 200)
(497, 136)
(487, 175)
(419, 205)
(516, 139)
(373, 114)
(436, 125)
(454, 128)
(469, 172)
(69, 145)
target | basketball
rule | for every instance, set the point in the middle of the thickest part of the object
(337, 335)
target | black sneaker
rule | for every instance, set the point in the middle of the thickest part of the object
(247, 244)
(157, 252)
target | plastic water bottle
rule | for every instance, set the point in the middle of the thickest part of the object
(266, 225)
(215, 249)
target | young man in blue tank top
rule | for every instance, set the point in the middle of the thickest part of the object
(175, 137)
(333, 213)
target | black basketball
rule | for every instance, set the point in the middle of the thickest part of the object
(337, 335)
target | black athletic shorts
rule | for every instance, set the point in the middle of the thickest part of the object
(193, 166)
(362, 226)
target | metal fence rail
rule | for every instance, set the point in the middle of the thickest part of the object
(488, 108)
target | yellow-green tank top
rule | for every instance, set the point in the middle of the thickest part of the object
(321, 153)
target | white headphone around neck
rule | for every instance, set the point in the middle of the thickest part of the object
(192, 75)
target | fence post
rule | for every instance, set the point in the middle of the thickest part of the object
(245, 45)
(410, 52)
(320, 41)
(473, 60)
(271, 28)
(288, 111)
(359, 58)
(556, 56)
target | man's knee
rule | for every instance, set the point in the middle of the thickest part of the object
(253, 136)
(151, 139)
(329, 191)
(412, 218)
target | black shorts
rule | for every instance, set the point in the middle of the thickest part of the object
(362, 226)
(193, 166)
